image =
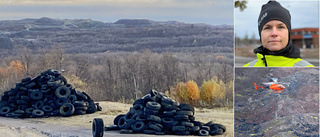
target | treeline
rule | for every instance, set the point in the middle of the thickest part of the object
(128, 75)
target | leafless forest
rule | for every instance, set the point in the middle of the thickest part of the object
(118, 61)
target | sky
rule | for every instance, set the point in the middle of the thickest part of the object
(212, 12)
(303, 14)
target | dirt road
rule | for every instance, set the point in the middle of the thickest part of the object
(80, 126)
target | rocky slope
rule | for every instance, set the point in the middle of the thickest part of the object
(293, 112)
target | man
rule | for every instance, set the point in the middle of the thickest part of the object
(274, 24)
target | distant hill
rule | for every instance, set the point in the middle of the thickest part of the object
(89, 36)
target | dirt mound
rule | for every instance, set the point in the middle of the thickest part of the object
(293, 112)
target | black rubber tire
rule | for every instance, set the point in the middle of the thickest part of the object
(91, 107)
(39, 104)
(192, 118)
(170, 107)
(72, 98)
(187, 124)
(129, 116)
(166, 120)
(112, 127)
(99, 108)
(60, 101)
(150, 111)
(82, 108)
(153, 105)
(153, 92)
(194, 129)
(184, 112)
(22, 107)
(203, 132)
(37, 113)
(79, 112)
(197, 123)
(141, 118)
(159, 133)
(138, 126)
(4, 110)
(36, 95)
(139, 101)
(181, 118)
(80, 104)
(97, 127)
(121, 123)
(209, 123)
(116, 119)
(154, 118)
(30, 85)
(154, 127)
(25, 98)
(138, 107)
(67, 109)
(29, 112)
(26, 79)
(62, 91)
(88, 97)
(205, 128)
(187, 107)
(45, 91)
(169, 113)
(81, 95)
(218, 126)
(178, 129)
(22, 102)
(47, 108)
(54, 113)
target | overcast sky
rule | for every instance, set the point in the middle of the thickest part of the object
(303, 14)
(190, 11)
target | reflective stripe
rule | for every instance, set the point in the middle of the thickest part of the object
(302, 63)
(252, 63)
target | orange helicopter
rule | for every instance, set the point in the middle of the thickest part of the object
(275, 85)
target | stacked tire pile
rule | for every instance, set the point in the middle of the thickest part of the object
(156, 113)
(46, 95)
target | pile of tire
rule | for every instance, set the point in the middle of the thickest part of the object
(158, 114)
(46, 95)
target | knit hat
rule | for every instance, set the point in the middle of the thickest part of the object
(274, 11)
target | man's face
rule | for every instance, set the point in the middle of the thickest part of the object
(274, 35)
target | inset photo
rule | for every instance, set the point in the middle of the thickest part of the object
(276, 102)
(276, 33)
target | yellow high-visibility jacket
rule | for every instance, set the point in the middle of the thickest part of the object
(277, 61)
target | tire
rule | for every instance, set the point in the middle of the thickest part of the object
(218, 126)
(155, 127)
(187, 107)
(60, 101)
(37, 113)
(29, 112)
(138, 107)
(67, 109)
(81, 95)
(138, 127)
(72, 98)
(181, 118)
(197, 123)
(47, 108)
(121, 123)
(39, 104)
(182, 133)
(110, 128)
(54, 113)
(182, 112)
(82, 108)
(116, 119)
(153, 105)
(62, 91)
(4, 111)
(97, 127)
(22, 107)
(187, 124)
(99, 108)
(166, 120)
(203, 132)
(36, 95)
(26, 79)
(178, 129)
(129, 116)
(79, 112)
(91, 107)
(205, 128)
(139, 101)
(169, 113)
(141, 118)
(84, 93)
(170, 107)
(80, 104)
(147, 131)
(45, 91)
(150, 111)
(153, 92)
(25, 98)
(22, 102)
(209, 123)
(154, 118)
(30, 85)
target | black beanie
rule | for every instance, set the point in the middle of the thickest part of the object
(274, 11)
